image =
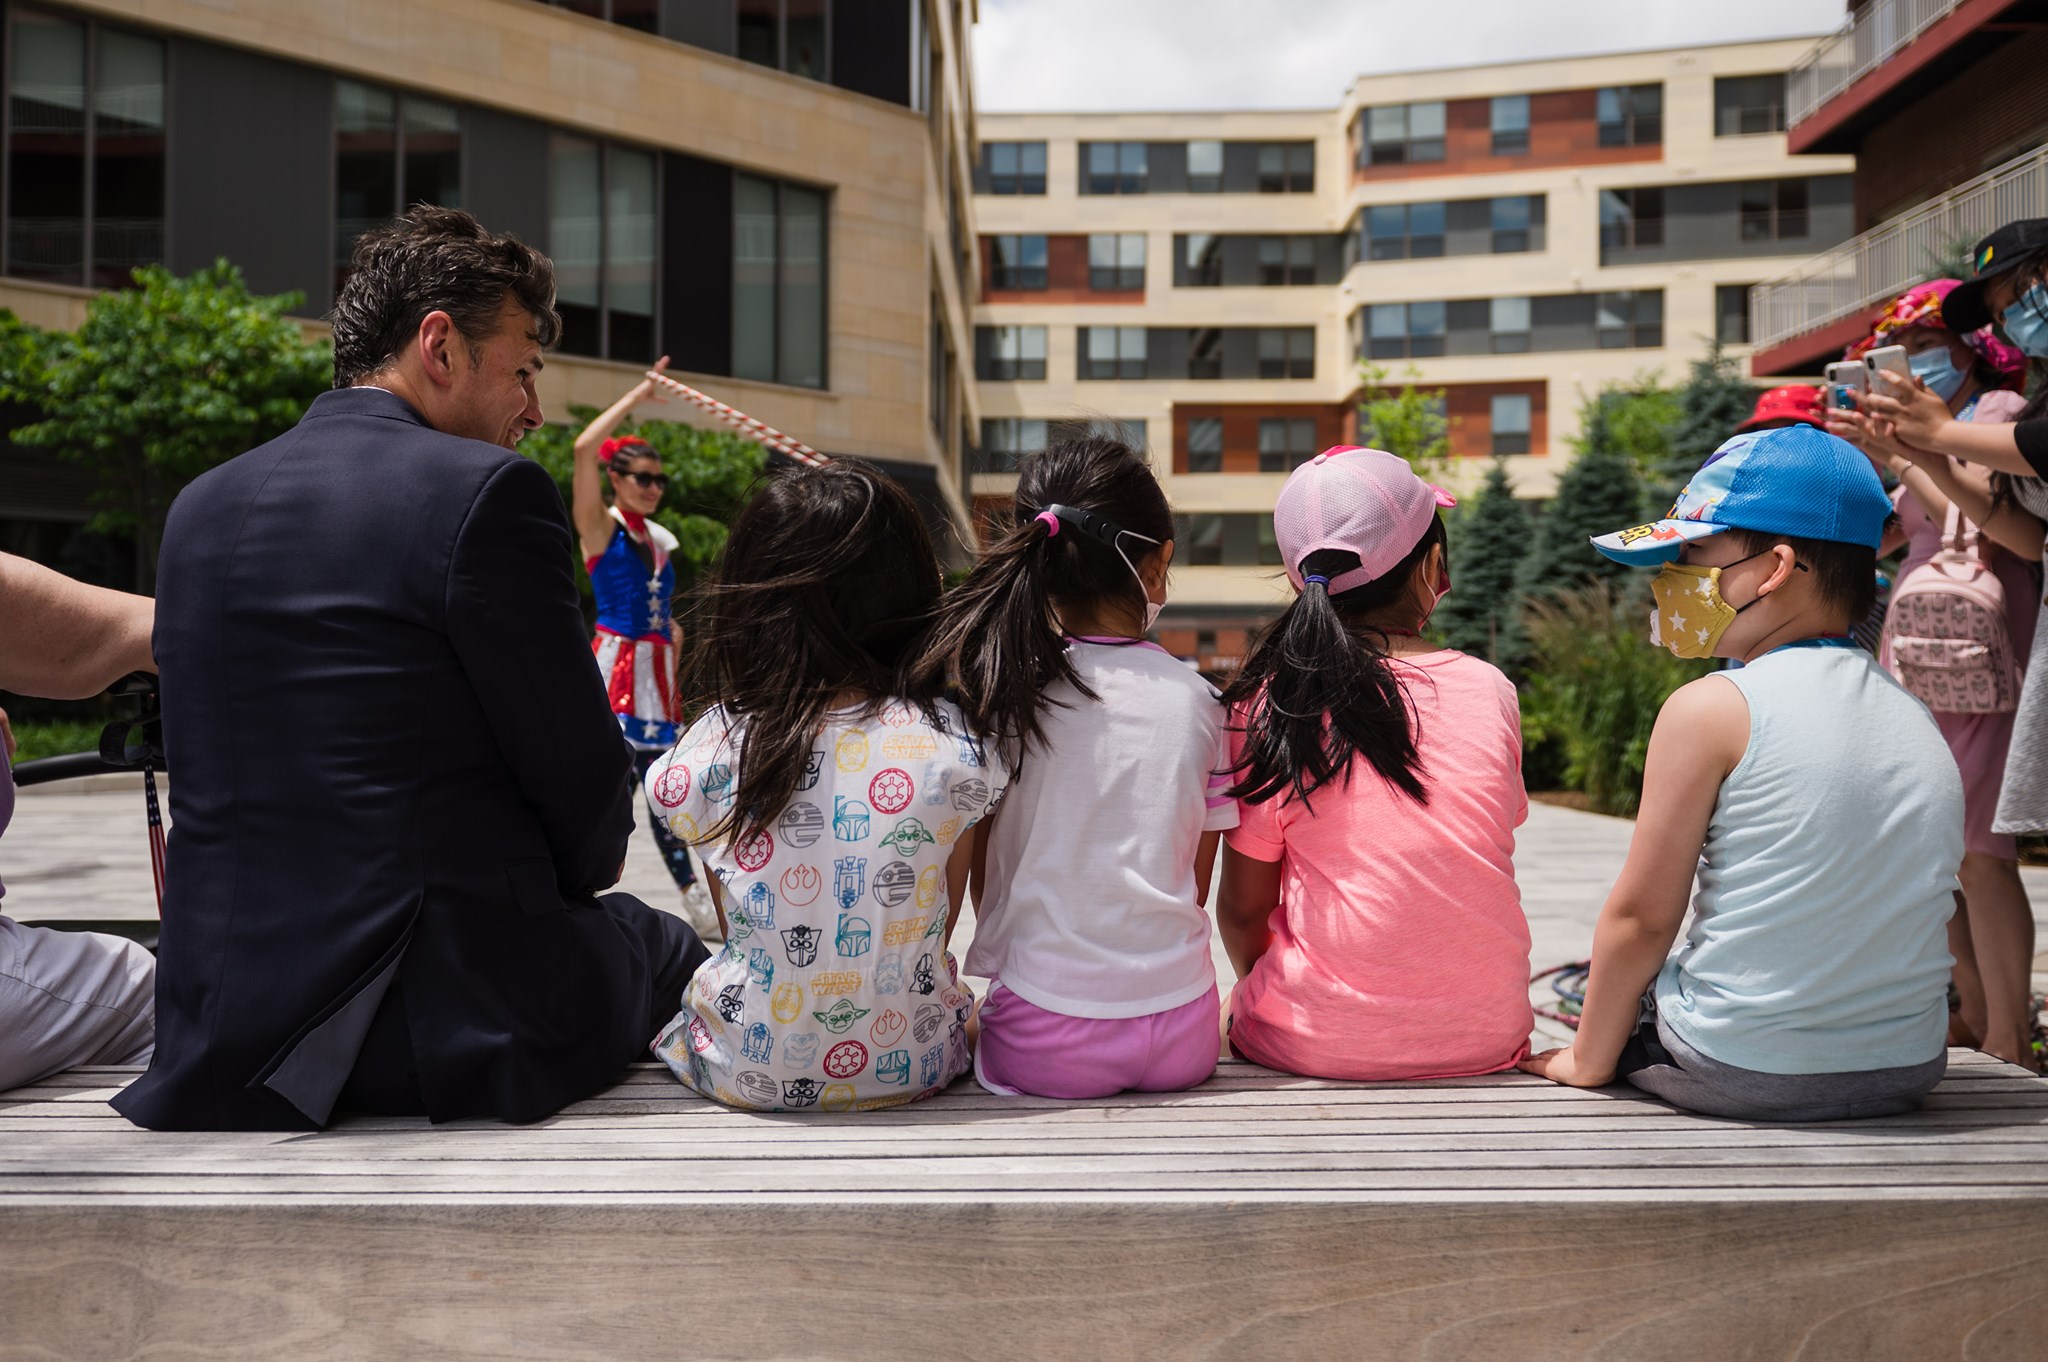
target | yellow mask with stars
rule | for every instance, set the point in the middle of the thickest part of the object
(1691, 615)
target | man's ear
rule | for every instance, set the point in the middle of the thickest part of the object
(436, 345)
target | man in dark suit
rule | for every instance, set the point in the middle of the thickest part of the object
(398, 787)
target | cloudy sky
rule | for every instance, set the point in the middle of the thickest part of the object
(1282, 54)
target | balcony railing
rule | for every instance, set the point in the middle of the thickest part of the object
(1872, 37)
(1869, 270)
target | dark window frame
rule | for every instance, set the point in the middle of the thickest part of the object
(1204, 460)
(1117, 278)
(1018, 181)
(1642, 319)
(1511, 442)
(781, 62)
(1015, 273)
(1132, 174)
(824, 383)
(1296, 265)
(1407, 149)
(1206, 269)
(1293, 170)
(1428, 342)
(1297, 357)
(1632, 217)
(602, 320)
(1764, 214)
(1205, 182)
(1122, 367)
(1734, 105)
(1511, 140)
(1020, 368)
(1636, 115)
(1723, 332)
(1286, 442)
(1005, 456)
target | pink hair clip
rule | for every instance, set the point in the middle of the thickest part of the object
(1050, 521)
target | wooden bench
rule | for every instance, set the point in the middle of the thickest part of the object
(1259, 1216)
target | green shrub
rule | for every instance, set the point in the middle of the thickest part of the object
(1596, 687)
(38, 738)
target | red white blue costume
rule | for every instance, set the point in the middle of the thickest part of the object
(633, 580)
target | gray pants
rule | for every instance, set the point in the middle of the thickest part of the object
(1661, 1064)
(69, 998)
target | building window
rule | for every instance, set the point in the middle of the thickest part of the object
(1205, 167)
(1286, 443)
(1773, 210)
(1510, 118)
(1745, 106)
(1017, 262)
(1287, 352)
(1009, 352)
(1287, 260)
(1510, 421)
(1205, 444)
(1005, 441)
(640, 14)
(1394, 134)
(1014, 167)
(789, 35)
(1116, 261)
(1631, 218)
(1205, 352)
(85, 122)
(1228, 540)
(778, 322)
(1731, 313)
(602, 231)
(1629, 321)
(1112, 167)
(1509, 325)
(1514, 220)
(1112, 351)
(1287, 167)
(1403, 231)
(1631, 115)
(1202, 259)
(1404, 330)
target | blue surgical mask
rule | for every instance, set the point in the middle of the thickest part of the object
(2026, 322)
(1938, 371)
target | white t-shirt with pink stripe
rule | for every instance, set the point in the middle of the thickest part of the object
(1091, 909)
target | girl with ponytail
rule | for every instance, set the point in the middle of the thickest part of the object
(1368, 898)
(1090, 879)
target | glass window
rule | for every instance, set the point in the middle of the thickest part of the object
(1426, 230)
(1205, 444)
(432, 152)
(1774, 210)
(1386, 232)
(1205, 352)
(1009, 352)
(1198, 540)
(779, 255)
(1392, 134)
(575, 241)
(1205, 167)
(1286, 443)
(1116, 261)
(1510, 325)
(1287, 352)
(1745, 106)
(629, 254)
(1631, 218)
(390, 151)
(1014, 167)
(1731, 313)
(790, 35)
(803, 38)
(1630, 115)
(1287, 167)
(1113, 167)
(1005, 441)
(46, 90)
(1017, 262)
(128, 156)
(1287, 260)
(1510, 423)
(1510, 119)
(1513, 216)
(1629, 320)
(1112, 352)
(1202, 259)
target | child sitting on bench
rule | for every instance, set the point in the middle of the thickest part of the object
(1813, 795)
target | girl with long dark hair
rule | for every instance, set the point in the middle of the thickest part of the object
(1368, 898)
(1091, 878)
(832, 794)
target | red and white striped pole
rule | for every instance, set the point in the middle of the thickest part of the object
(760, 430)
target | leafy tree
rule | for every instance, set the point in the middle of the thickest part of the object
(1408, 421)
(1713, 402)
(1601, 492)
(162, 382)
(1638, 418)
(1489, 537)
(710, 475)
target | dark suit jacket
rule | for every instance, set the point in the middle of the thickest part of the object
(393, 759)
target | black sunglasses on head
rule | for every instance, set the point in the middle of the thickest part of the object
(659, 480)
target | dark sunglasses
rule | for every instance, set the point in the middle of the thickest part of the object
(656, 480)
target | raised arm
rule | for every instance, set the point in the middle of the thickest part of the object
(586, 479)
(1921, 419)
(64, 640)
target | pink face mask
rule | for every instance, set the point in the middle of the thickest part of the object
(1442, 590)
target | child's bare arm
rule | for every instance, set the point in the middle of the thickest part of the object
(717, 903)
(1699, 738)
(1205, 865)
(967, 872)
(1244, 908)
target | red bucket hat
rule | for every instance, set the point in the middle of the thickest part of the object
(1797, 403)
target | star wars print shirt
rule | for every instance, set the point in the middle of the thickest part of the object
(834, 990)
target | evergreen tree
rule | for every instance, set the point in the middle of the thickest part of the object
(1489, 538)
(1713, 402)
(1600, 493)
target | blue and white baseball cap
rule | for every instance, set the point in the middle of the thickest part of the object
(1795, 481)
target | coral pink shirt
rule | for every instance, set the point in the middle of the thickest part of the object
(1399, 946)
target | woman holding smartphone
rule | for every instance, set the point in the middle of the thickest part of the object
(1973, 374)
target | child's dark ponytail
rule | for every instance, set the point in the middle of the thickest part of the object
(1317, 689)
(998, 637)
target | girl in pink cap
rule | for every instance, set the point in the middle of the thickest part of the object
(1369, 899)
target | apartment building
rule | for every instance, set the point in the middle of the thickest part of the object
(774, 192)
(1517, 236)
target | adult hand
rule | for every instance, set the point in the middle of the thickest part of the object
(649, 390)
(1914, 411)
(1562, 1066)
(1868, 434)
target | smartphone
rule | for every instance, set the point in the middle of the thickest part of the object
(1891, 360)
(1846, 381)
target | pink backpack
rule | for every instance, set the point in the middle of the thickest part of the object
(1946, 629)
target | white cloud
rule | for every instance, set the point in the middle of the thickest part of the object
(1289, 54)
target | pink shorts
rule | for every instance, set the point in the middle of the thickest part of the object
(1026, 1049)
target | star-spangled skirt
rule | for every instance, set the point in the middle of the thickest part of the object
(639, 679)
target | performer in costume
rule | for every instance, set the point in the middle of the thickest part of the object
(632, 574)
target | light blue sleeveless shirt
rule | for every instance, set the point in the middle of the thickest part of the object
(1818, 941)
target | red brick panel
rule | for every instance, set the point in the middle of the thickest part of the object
(1066, 276)
(1241, 429)
(1564, 130)
(1468, 412)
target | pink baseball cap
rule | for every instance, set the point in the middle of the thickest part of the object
(1362, 501)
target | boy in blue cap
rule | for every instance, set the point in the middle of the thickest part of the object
(1812, 794)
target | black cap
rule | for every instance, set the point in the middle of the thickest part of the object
(1964, 308)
